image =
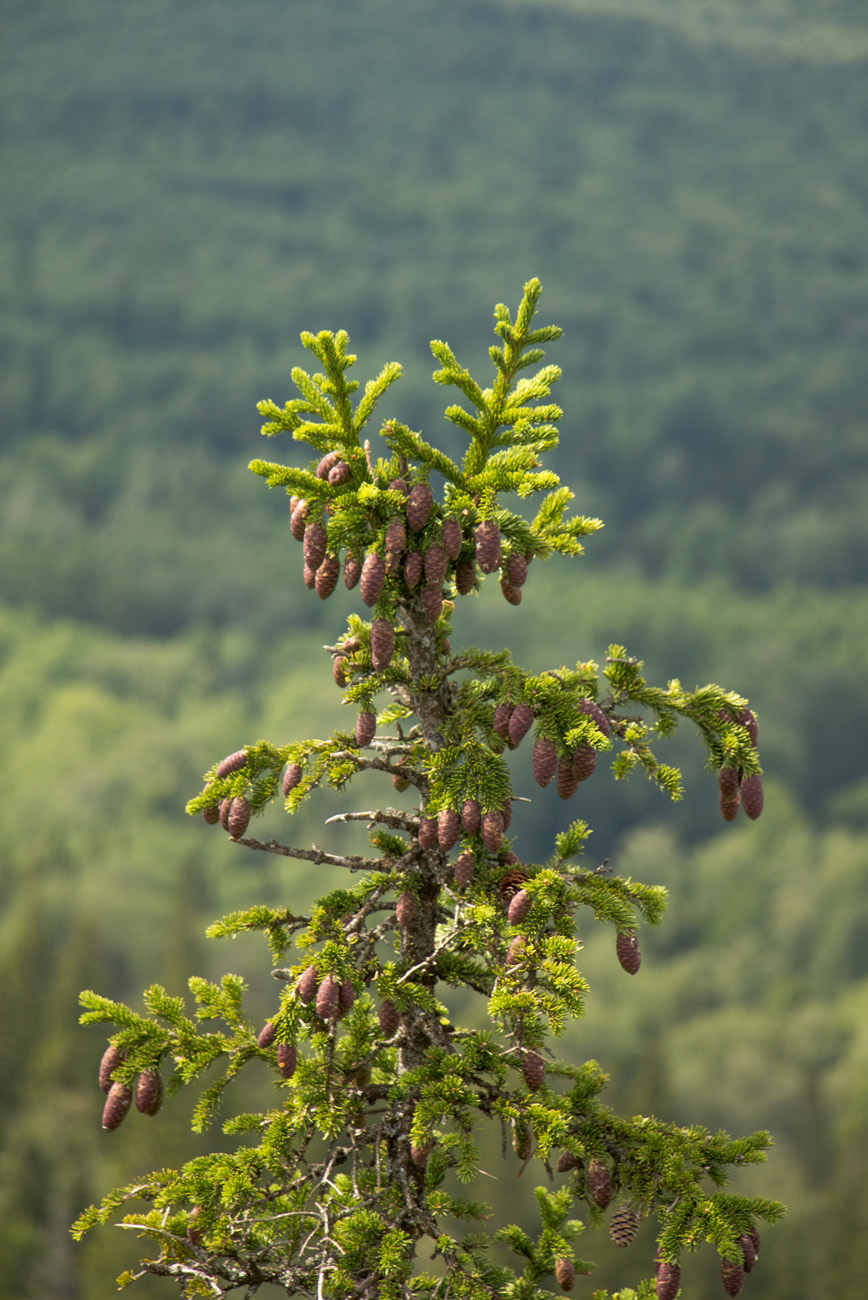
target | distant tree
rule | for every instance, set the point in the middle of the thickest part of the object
(370, 1152)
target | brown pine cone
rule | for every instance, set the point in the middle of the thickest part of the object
(732, 1276)
(502, 715)
(432, 602)
(729, 808)
(624, 1225)
(452, 538)
(465, 577)
(211, 814)
(112, 1057)
(366, 727)
(149, 1092)
(287, 1059)
(727, 780)
(515, 570)
(545, 761)
(382, 643)
(225, 805)
(419, 1154)
(327, 576)
(389, 1019)
(266, 1035)
(566, 1162)
(328, 999)
(352, 571)
(568, 782)
(291, 778)
(346, 997)
(512, 595)
(464, 869)
(519, 906)
(510, 883)
(750, 1245)
(413, 565)
(315, 542)
(627, 948)
(471, 816)
(751, 792)
(308, 984)
(399, 781)
(565, 1272)
(405, 908)
(515, 953)
(593, 710)
(428, 833)
(396, 536)
(330, 459)
(520, 723)
(399, 485)
(668, 1281)
(339, 671)
(239, 817)
(584, 762)
(420, 503)
(309, 576)
(373, 577)
(522, 1141)
(599, 1183)
(436, 564)
(340, 473)
(747, 718)
(492, 830)
(298, 520)
(118, 1102)
(488, 550)
(448, 829)
(232, 763)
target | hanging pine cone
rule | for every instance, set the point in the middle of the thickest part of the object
(211, 814)
(266, 1035)
(405, 908)
(465, 577)
(399, 781)
(729, 808)
(568, 782)
(346, 996)
(315, 542)
(396, 536)
(225, 805)
(382, 643)
(545, 761)
(599, 1183)
(112, 1057)
(488, 551)
(452, 538)
(328, 999)
(419, 1154)
(389, 1019)
(515, 953)
(339, 671)
(352, 571)
(584, 762)
(754, 1239)
(420, 503)
(471, 816)
(232, 763)
(413, 565)
(512, 595)
(732, 1276)
(298, 520)
(500, 724)
(534, 1070)
(325, 466)
(751, 792)
(748, 1252)
(624, 1225)
(436, 564)
(448, 829)
(432, 602)
(117, 1103)
(327, 576)
(492, 830)
(593, 710)
(399, 485)
(627, 948)
(520, 723)
(287, 1059)
(668, 1281)
(366, 727)
(565, 1272)
(566, 1162)
(239, 817)
(291, 778)
(464, 868)
(727, 780)
(510, 884)
(149, 1092)
(428, 833)
(308, 984)
(522, 1141)
(373, 577)
(309, 576)
(339, 474)
(515, 570)
(519, 906)
(747, 718)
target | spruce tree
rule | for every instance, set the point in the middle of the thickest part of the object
(366, 1167)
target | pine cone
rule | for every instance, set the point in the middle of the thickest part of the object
(340, 473)
(732, 1276)
(729, 808)
(432, 602)
(534, 1070)
(624, 1225)
(382, 643)
(750, 1245)
(298, 520)
(436, 564)
(568, 782)
(727, 780)
(519, 906)
(515, 953)
(584, 762)
(420, 503)
(668, 1281)
(291, 778)
(389, 1019)
(520, 723)
(428, 832)
(464, 869)
(232, 763)
(394, 563)
(339, 671)
(225, 805)
(419, 1154)
(452, 538)
(309, 576)
(117, 1104)
(627, 948)
(566, 1162)
(346, 997)
(465, 577)
(471, 816)
(327, 576)
(287, 1059)
(315, 541)
(328, 999)
(511, 884)
(747, 718)
(522, 1141)
(565, 1272)
(366, 727)
(211, 814)
(399, 781)
(405, 909)
(599, 1183)
(413, 565)
(266, 1035)
(149, 1092)
(396, 536)
(751, 791)
(194, 1232)
(112, 1057)
(545, 761)
(330, 459)
(510, 594)
(399, 485)
(239, 817)
(502, 715)
(352, 571)
(492, 830)
(516, 570)
(448, 829)
(488, 551)
(593, 710)
(373, 577)
(308, 984)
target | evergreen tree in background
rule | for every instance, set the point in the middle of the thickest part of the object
(367, 1167)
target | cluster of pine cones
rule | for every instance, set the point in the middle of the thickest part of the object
(119, 1096)
(731, 1272)
(736, 789)
(513, 722)
(422, 563)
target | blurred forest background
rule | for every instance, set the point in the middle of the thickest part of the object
(189, 184)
